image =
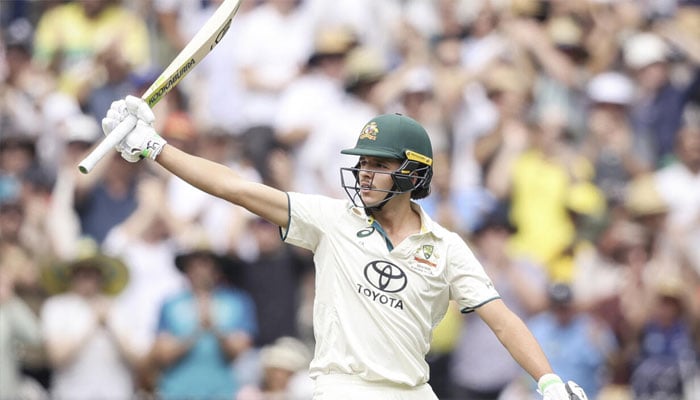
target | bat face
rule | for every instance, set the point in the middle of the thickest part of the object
(203, 42)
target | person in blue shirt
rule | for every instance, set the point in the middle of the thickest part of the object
(201, 331)
(576, 344)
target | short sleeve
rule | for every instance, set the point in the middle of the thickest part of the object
(470, 286)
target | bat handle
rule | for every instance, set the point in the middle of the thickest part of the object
(107, 144)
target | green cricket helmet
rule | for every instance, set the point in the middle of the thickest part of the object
(399, 137)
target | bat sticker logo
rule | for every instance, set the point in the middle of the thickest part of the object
(171, 82)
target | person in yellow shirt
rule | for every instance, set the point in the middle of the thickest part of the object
(70, 37)
(542, 180)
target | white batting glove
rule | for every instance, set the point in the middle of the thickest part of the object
(551, 387)
(142, 141)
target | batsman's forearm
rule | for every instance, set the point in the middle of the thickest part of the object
(199, 172)
(525, 350)
(516, 338)
(218, 180)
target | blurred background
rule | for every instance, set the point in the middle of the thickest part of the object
(567, 153)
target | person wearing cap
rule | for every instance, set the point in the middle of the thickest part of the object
(385, 271)
(610, 143)
(281, 361)
(656, 112)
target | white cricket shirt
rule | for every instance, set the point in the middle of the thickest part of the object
(375, 308)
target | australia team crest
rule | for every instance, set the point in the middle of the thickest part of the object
(370, 131)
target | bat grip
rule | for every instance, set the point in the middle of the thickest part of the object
(107, 144)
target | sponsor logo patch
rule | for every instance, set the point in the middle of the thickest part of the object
(384, 279)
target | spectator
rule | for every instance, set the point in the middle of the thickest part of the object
(24, 85)
(540, 210)
(418, 99)
(221, 224)
(276, 277)
(284, 365)
(667, 358)
(19, 328)
(365, 73)
(682, 175)
(215, 87)
(268, 66)
(303, 123)
(70, 36)
(480, 367)
(574, 341)
(17, 155)
(658, 106)
(107, 198)
(87, 339)
(454, 207)
(617, 154)
(118, 81)
(557, 45)
(201, 330)
(78, 134)
(147, 240)
(18, 259)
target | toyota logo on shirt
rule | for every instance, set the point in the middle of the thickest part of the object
(385, 276)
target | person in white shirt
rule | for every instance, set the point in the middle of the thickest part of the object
(678, 185)
(385, 272)
(87, 339)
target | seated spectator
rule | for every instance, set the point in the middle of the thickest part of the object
(201, 330)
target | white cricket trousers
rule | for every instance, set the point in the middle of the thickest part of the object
(349, 387)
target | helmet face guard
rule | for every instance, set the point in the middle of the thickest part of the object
(411, 176)
(398, 137)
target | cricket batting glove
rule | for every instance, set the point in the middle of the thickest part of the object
(551, 387)
(142, 141)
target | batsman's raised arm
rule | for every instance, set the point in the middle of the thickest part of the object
(220, 181)
(216, 179)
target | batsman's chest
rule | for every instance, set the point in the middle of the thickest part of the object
(415, 267)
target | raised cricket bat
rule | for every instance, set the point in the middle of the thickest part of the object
(208, 36)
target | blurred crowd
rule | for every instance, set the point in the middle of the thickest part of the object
(566, 141)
